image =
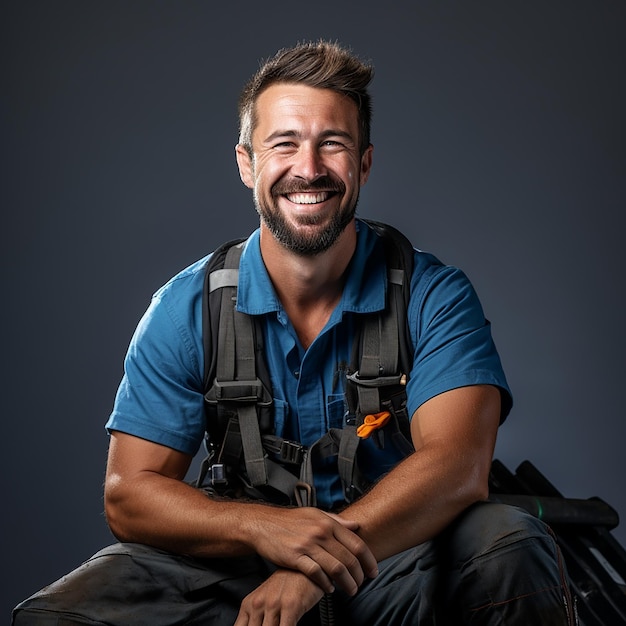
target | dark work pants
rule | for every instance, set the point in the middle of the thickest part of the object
(494, 565)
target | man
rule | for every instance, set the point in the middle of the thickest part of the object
(420, 546)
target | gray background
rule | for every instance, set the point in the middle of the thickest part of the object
(499, 146)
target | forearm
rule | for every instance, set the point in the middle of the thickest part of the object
(454, 436)
(416, 500)
(181, 519)
(147, 501)
(172, 515)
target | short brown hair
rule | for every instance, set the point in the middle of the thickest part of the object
(321, 64)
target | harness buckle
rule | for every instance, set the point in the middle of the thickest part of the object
(291, 452)
(243, 391)
(378, 381)
(218, 475)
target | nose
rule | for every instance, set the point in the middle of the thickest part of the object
(308, 163)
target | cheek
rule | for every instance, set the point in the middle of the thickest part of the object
(268, 175)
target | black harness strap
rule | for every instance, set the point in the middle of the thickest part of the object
(337, 442)
(239, 424)
(236, 382)
(378, 366)
(384, 356)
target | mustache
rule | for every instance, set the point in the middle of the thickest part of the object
(324, 183)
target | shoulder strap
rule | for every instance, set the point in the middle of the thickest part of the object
(382, 355)
(211, 304)
(399, 253)
(231, 382)
(237, 385)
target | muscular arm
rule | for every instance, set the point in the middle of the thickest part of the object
(146, 501)
(454, 435)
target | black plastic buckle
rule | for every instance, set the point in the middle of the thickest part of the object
(378, 381)
(238, 390)
(291, 452)
(218, 475)
(350, 493)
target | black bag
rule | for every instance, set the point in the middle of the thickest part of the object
(595, 560)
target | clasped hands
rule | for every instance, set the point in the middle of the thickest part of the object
(316, 553)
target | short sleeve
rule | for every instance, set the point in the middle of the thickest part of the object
(452, 339)
(160, 396)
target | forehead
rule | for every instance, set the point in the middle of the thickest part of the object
(300, 108)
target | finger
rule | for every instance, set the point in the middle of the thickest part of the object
(330, 562)
(315, 572)
(357, 546)
(242, 619)
(342, 567)
(251, 617)
(274, 619)
(359, 549)
(335, 558)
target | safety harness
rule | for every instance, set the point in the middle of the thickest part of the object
(245, 458)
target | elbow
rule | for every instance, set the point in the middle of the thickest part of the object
(116, 519)
(475, 487)
(480, 491)
(116, 524)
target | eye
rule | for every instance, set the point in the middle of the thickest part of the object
(332, 145)
(284, 146)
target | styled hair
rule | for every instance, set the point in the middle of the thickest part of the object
(321, 64)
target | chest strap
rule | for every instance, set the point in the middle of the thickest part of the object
(237, 389)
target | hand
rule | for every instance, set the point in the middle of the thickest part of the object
(280, 601)
(322, 546)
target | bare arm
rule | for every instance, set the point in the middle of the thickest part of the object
(146, 501)
(454, 436)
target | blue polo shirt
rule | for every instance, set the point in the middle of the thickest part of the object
(160, 396)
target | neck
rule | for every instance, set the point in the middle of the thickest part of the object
(309, 288)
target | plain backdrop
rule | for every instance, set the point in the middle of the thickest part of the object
(499, 146)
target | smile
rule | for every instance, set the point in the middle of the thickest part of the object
(309, 198)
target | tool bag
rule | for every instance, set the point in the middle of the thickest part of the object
(595, 560)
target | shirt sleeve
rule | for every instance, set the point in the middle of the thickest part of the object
(452, 339)
(160, 396)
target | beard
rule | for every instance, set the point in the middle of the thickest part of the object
(305, 243)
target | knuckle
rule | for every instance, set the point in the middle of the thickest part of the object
(322, 529)
(353, 563)
(308, 566)
(360, 549)
(256, 603)
(337, 569)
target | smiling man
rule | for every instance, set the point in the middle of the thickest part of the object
(305, 166)
(377, 514)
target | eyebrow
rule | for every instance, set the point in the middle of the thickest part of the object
(277, 134)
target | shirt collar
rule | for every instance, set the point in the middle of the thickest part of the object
(365, 286)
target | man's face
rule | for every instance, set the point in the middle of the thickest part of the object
(306, 171)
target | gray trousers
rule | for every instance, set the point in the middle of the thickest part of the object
(495, 564)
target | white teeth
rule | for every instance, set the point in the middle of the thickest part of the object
(307, 198)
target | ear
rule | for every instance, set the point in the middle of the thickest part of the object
(366, 164)
(244, 163)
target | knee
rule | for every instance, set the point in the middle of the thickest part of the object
(507, 563)
(489, 528)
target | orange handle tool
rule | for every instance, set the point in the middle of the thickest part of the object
(372, 423)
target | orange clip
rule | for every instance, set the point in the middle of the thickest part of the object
(372, 423)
